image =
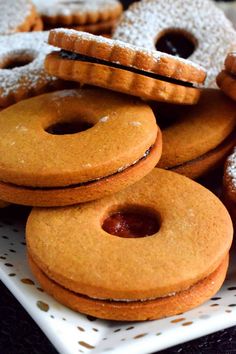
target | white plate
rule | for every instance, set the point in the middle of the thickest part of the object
(73, 333)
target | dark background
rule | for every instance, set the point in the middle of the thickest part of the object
(20, 335)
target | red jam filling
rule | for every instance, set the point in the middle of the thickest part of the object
(177, 44)
(131, 224)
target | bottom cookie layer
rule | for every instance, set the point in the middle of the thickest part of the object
(207, 162)
(135, 310)
(52, 197)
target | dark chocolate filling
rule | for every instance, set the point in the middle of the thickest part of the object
(79, 57)
(83, 183)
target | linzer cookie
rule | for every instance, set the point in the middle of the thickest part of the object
(92, 15)
(17, 16)
(226, 80)
(73, 146)
(170, 252)
(22, 71)
(123, 67)
(197, 139)
(230, 184)
(196, 30)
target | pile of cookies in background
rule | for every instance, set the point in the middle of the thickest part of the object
(106, 120)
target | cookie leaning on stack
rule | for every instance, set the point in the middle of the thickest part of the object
(122, 67)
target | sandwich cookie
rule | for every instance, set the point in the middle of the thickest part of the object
(229, 184)
(196, 30)
(147, 252)
(94, 15)
(197, 139)
(73, 146)
(17, 16)
(122, 67)
(22, 71)
(226, 79)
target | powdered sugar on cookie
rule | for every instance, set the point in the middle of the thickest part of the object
(67, 7)
(30, 48)
(214, 34)
(231, 169)
(13, 14)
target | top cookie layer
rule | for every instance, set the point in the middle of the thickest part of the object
(14, 14)
(194, 237)
(127, 55)
(120, 130)
(212, 33)
(78, 12)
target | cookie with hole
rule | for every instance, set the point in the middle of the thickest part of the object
(64, 13)
(226, 79)
(22, 73)
(197, 139)
(121, 67)
(73, 146)
(196, 30)
(229, 184)
(17, 16)
(171, 253)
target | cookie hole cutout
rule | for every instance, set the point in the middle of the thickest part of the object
(65, 128)
(17, 59)
(176, 42)
(132, 222)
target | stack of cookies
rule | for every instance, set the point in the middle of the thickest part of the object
(118, 230)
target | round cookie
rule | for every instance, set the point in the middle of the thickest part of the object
(22, 71)
(68, 12)
(72, 146)
(16, 16)
(184, 256)
(122, 67)
(196, 30)
(226, 79)
(197, 139)
(229, 184)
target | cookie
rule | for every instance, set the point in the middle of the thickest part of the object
(226, 79)
(118, 66)
(197, 139)
(17, 16)
(22, 71)
(68, 12)
(170, 253)
(196, 30)
(73, 146)
(229, 184)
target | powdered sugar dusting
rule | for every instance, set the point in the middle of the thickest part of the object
(119, 44)
(104, 119)
(231, 168)
(135, 124)
(13, 14)
(29, 76)
(214, 33)
(69, 7)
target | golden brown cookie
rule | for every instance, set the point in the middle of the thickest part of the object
(22, 73)
(226, 79)
(75, 145)
(229, 184)
(166, 248)
(68, 12)
(196, 30)
(121, 67)
(16, 16)
(197, 139)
